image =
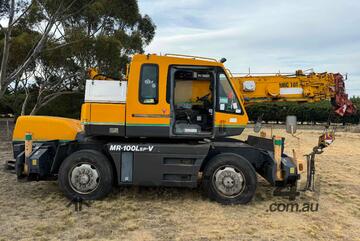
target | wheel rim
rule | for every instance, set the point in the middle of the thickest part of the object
(228, 181)
(84, 178)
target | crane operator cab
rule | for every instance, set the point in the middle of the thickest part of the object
(165, 96)
(193, 101)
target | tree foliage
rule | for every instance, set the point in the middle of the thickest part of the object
(306, 112)
(52, 43)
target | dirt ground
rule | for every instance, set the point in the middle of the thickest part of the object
(38, 210)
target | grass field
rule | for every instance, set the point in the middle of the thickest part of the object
(38, 210)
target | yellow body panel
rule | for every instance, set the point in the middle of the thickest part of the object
(46, 128)
(85, 113)
(103, 114)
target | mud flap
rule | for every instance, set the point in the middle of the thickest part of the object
(19, 165)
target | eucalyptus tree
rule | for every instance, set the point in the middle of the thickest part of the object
(49, 44)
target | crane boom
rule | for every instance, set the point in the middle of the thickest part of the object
(298, 87)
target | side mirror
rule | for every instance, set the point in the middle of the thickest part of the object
(291, 124)
(258, 125)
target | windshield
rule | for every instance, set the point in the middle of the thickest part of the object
(226, 97)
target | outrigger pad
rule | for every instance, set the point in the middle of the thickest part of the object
(10, 166)
(287, 192)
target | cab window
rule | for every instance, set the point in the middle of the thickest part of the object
(149, 84)
(226, 98)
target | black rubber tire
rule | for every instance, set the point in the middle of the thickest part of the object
(95, 158)
(239, 163)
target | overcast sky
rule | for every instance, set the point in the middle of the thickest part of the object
(263, 35)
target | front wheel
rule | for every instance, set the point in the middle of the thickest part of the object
(86, 174)
(229, 179)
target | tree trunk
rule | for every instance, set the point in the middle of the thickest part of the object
(4, 62)
(6, 49)
(24, 104)
(35, 109)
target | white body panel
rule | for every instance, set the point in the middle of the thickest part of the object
(291, 91)
(105, 91)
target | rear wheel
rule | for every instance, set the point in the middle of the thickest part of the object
(229, 179)
(86, 174)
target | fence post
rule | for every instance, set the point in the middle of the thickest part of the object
(7, 129)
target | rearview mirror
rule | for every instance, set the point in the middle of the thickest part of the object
(291, 124)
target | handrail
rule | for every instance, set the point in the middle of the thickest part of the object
(191, 56)
(263, 74)
(229, 72)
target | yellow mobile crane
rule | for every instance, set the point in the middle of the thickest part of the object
(169, 120)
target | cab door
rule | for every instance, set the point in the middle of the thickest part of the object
(230, 115)
(147, 113)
